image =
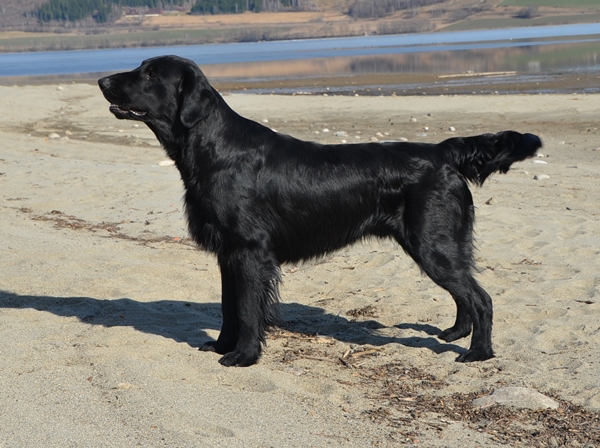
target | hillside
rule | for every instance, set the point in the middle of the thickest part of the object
(20, 30)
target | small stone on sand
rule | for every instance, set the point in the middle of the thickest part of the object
(519, 397)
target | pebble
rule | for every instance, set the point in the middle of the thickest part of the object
(325, 130)
(413, 119)
(68, 133)
(540, 162)
(402, 139)
(540, 155)
(379, 134)
(265, 121)
(341, 134)
(452, 129)
(518, 397)
(374, 139)
(166, 163)
(53, 136)
(343, 141)
(491, 201)
(541, 177)
(60, 88)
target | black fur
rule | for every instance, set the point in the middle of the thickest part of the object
(257, 198)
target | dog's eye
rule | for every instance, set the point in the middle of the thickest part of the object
(150, 74)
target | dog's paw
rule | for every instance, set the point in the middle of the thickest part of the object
(239, 359)
(475, 355)
(453, 333)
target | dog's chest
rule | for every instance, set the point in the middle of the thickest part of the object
(202, 223)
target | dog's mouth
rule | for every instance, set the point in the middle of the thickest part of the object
(123, 112)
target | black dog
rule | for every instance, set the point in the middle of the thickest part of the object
(257, 198)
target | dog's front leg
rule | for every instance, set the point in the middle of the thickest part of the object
(228, 337)
(255, 277)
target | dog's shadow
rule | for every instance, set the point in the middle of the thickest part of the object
(189, 322)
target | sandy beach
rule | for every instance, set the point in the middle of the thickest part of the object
(104, 301)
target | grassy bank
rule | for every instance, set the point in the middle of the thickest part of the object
(513, 22)
(125, 39)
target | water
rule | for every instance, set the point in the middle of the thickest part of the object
(532, 48)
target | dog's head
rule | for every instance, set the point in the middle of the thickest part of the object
(162, 92)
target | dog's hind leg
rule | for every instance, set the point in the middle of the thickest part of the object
(253, 309)
(436, 231)
(481, 307)
(474, 305)
(462, 326)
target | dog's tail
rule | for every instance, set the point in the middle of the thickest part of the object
(479, 156)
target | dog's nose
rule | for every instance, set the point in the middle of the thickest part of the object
(104, 83)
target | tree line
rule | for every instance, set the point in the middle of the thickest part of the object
(106, 10)
(239, 6)
(99, 10)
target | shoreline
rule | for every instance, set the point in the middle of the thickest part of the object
(385, 84)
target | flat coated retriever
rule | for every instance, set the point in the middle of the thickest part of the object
(257, 198)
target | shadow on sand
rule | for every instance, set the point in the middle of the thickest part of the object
(187, 322)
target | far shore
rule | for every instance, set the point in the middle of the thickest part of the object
(225, 79)
(185, 29)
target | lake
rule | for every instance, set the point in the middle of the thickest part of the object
(525, 50)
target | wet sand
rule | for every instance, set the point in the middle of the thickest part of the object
(410, 84)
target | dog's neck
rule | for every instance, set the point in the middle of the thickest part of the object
(195, 149)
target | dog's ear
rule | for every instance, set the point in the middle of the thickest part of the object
(196, 98)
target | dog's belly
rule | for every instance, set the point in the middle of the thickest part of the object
(320, 238)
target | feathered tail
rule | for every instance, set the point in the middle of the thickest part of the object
(479, 156)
